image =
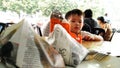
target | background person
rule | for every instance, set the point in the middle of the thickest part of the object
(89, 21)
(106, 26)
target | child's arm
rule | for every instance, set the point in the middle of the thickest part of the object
(91, 37)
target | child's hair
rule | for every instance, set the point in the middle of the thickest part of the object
(72, 12)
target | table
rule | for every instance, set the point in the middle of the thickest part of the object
(91, 44)
(111, 47)
(103, 47)
(112, 62)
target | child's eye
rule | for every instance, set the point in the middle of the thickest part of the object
(79, 21)
(73, 21)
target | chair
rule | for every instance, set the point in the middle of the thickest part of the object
(113, 32)
(2, 27)
(97, 31)
(9, 24)
(37, 29)
(86, 27)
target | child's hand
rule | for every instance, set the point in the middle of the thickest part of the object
(89, 37)
(56, 14)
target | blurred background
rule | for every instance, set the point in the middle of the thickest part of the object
(38, 11)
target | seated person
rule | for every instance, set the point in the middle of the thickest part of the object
(74, 25)
(89, 21)
(106, 26)
(75, 19)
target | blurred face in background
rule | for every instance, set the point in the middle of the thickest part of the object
(76, 23)
(98, 21)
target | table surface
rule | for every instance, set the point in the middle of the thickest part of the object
(101, 46)
(112, 62)
(112, 46)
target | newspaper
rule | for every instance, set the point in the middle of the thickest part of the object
(53, 58)
(72, 51)
(28, 55)
(32, 51)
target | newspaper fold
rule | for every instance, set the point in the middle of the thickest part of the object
(72, 51)
(30, 51)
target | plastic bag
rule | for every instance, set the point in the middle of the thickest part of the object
(30, 51)
(72, 52)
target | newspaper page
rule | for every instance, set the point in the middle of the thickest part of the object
(28, 55)
(72, 51)
(50, 57)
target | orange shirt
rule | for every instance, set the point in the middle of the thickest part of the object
(54, 21)
(77, 38)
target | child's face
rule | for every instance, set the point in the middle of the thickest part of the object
(76, 23)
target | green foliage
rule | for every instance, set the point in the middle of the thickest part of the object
(27, 6)
(46, 6)
(62, 5)
(94, 5)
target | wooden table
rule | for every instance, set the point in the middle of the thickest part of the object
(91, 44)
(111, 47)
(103, 47)
(112, 62)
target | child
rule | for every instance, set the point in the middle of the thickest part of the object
(75, 19)
(75, 23)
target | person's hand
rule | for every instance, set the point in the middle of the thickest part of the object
(57, 14)
(89, 37)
